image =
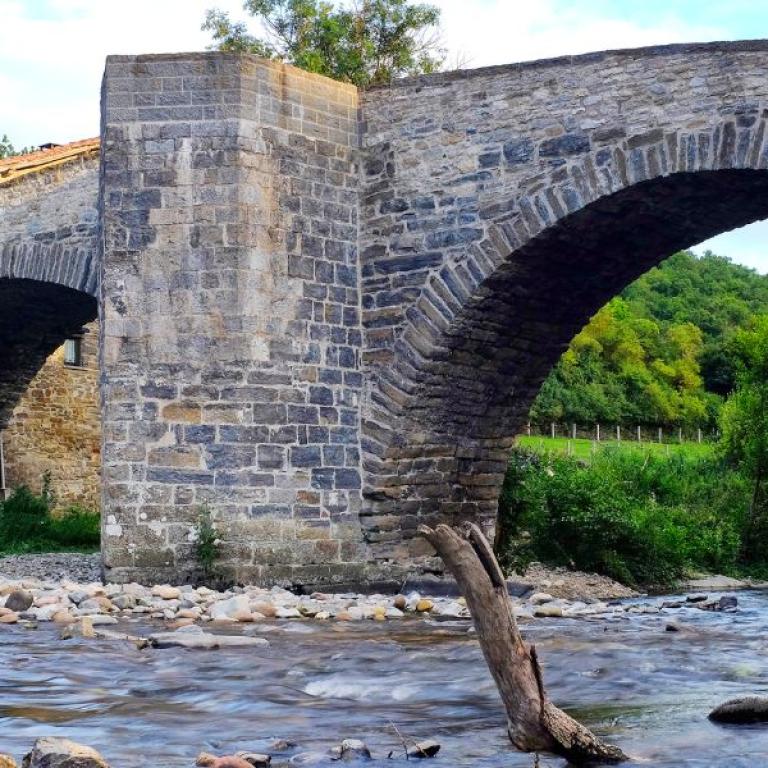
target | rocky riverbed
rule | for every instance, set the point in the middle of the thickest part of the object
(84, 606)
(296, 677)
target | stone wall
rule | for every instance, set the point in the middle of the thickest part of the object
(500, 208)
(231, 329)
(48, 267)
(56, 428)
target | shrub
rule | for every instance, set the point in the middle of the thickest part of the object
(23, 517)
(77, 527)
(637, 517)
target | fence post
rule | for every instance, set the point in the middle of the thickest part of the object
(552, 428)
(661, 439)
(597, 432)
(639, 436)
(618, 433)
(573, 431)
(680, 435)
(698, 434)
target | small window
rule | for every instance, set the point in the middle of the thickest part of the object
(73, 352)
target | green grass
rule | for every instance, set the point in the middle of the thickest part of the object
(581, 448)
(27, 525)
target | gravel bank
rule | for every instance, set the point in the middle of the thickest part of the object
(56, 566)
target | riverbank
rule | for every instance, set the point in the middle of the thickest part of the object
(84, 605)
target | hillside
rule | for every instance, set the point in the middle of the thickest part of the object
(659, 352)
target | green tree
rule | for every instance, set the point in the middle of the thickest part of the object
(744, 426)
(8, 150)
(365, 42)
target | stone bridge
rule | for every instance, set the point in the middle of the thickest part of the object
(325, 313)
(48, 258)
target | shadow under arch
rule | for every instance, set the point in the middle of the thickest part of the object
(35, 319)
(471, 388)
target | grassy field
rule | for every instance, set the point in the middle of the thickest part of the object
(582, 448)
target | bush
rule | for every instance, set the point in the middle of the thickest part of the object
(77, 527)
(637, 517)
(27, 525)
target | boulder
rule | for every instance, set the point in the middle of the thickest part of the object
(227, 761)
(19, 600)
(351, 749)
(715, 584)
(6, 761)
(255, 759)
(724, 603)
(749, 709)
(427, 748)
(548, 610)
(228, 610)
(166, 592)
(53, 752)
(538, 598)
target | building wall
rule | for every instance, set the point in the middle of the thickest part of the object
(56, 428)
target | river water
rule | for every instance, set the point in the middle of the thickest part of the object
(647, 690)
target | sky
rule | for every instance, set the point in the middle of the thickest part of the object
(52, 53)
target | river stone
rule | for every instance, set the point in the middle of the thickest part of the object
(540, 597)
(166, 592)
(255, 759)
(715, 584)
(19, 600)
(227, 610)
(428, 748)
(351, 749)
(227, 761)
(749, 709)
(195, 637)
(53, 752)
(548, 610)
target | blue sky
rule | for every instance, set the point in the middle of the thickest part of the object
(52, 52)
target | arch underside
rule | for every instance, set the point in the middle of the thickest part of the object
(35, 319)
(453, 436)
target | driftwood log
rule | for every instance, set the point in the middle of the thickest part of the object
(534, 724)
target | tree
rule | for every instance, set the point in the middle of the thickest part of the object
(744, 426)
(8, 150)
(365, 42)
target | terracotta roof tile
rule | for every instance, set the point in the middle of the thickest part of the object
(13, 168)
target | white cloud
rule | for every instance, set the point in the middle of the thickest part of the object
(504, 31)
(51, 62)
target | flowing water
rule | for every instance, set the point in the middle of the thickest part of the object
(645, 689)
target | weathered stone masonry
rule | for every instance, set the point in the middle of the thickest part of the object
(325, 313)
(231, 318)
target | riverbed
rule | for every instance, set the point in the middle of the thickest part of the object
(637, 685)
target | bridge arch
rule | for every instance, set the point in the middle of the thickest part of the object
(49, 264)
(538, 252)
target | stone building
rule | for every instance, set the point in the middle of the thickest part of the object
(55, 427)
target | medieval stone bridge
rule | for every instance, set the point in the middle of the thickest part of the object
(325, 313)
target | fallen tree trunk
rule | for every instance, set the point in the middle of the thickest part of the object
(534, 724)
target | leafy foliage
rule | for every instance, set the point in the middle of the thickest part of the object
(638, 517)
(366, 43)
(8, 150)
(744, 425)
(660, 353)
(206, 543)
(27, 525)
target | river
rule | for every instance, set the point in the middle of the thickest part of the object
(647, 690)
